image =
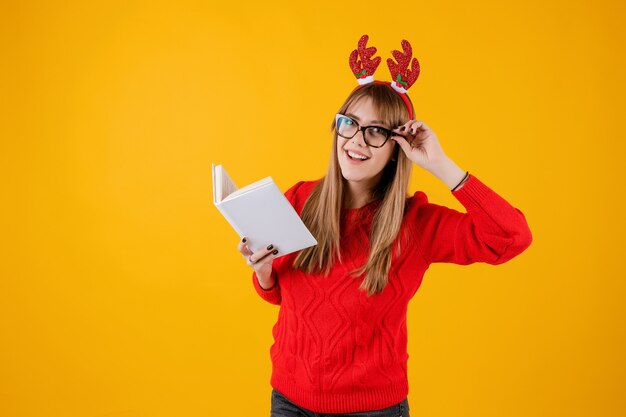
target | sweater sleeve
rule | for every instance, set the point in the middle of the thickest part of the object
(273, 295)
(492, 231)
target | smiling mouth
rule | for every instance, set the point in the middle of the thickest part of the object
(355, 159)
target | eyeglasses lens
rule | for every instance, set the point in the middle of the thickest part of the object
(347, 128)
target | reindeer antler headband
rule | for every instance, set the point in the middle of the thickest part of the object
(403, 78)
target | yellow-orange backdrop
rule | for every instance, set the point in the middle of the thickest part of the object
(122, 291)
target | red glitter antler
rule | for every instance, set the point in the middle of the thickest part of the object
(364, 68)
(403, 77)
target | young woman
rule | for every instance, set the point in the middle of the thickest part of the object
(340, 341)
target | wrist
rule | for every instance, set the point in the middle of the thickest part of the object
(267, 283)
(461, 183)
(267, 286)
(448, 172)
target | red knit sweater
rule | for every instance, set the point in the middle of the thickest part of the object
(337, 351)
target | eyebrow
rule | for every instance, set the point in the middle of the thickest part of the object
(357, 119)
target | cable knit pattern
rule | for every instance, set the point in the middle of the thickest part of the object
(335, 349)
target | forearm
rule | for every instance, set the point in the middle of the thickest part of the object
(448, 172)
(267, 282)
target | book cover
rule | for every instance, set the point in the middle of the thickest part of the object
(261, 212)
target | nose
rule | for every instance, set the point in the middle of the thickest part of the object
(355, 138)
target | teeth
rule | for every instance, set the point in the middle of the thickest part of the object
(354, 155)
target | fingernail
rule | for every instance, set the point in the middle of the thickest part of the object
(270, 247)
(244, 240)
(275, 251)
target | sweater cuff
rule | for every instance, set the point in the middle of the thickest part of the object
(473, 192)
(271, 295)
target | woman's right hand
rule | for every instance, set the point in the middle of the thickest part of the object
(260, 261)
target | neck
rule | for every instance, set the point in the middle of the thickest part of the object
(358, 193)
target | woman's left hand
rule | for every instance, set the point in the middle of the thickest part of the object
(419, 143)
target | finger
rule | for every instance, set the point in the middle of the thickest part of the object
(256, 259)
(406, 146)
(403, 128)
(268, 258)
(244, 249)
(421, 125)
(261, 253)
(414, 126)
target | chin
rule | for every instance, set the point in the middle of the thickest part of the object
(351, 174)
(352, 178)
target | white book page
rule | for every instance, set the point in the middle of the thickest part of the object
(228, 186)
(254, 185)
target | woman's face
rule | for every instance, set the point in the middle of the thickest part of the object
(377, 158)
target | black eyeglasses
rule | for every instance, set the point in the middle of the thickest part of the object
(374, 136)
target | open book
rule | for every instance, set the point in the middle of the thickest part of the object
(261, 212)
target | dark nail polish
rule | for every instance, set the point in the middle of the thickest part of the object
(275, 251)
(270, 247)
(244, 240)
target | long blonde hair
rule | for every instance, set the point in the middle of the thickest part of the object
(322, 210)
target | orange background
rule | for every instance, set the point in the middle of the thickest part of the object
(122, 291)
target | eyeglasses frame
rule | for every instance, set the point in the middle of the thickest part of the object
(362, 129)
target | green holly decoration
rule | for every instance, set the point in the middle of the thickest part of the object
(364, 72)
(399, 80)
